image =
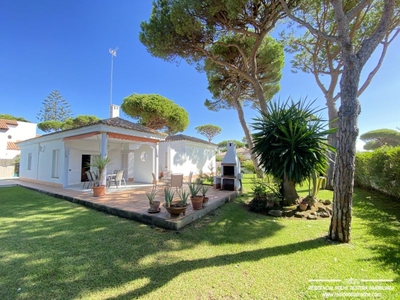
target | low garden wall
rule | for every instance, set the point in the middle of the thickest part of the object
(379, 170)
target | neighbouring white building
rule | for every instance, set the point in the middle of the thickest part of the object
(183, 154)
(11, 132)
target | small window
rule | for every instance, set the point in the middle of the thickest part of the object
(143, 156)
(54, 163)
(29, 161)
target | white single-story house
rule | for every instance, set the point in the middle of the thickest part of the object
(62, 158)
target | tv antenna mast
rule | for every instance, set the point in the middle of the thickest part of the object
(113, 53)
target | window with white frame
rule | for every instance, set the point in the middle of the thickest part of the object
(29, 161)
(54, 163)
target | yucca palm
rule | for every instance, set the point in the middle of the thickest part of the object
(290, 143)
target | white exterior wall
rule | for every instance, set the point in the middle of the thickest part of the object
(41, 163)
(186, 156)
(144, 162)
(22, 131)
(23, 166)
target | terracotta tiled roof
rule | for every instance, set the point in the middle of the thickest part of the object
(12, 146)
(4, 123)
(118, 122)
(114, 122)
(182, 137)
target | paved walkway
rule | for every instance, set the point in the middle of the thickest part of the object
(129, 202)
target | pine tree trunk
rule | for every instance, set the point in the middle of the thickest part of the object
(246, 130)
(332, 140)
(353, 63)
(260, 95)
(340, 228)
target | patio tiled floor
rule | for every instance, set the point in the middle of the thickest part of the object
(130, 202)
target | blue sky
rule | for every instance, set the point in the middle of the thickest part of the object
(63, 45)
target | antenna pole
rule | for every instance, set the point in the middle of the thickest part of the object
(113, 53)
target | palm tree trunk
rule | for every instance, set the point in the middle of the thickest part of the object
(289, 192)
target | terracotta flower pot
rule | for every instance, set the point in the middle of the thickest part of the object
(175, 210)
(303, 205)
(205, 201)
(155, 206)
(197, 202)
(99, 191)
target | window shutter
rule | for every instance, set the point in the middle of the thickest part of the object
(29, 161)
(54, 163)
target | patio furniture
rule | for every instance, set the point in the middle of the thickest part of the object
(117, 178)
(95, 178)
(156, 183)
(92, 179)
(176, 181)
(89, 180)
(111, 177)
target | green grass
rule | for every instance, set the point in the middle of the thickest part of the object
(54, 249)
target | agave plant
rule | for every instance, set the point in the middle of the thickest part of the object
(100, 163)
(151, 195)
(183, 195)
(290, 143)
(168, 196)
(194, 188)
(204, 190)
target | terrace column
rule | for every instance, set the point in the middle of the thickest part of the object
(103, 153)
(65, 177)
(156, 159)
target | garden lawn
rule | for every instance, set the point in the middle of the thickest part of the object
(54, 249)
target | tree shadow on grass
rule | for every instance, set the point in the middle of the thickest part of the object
(57, 249)
(159, 275)
(381, 215)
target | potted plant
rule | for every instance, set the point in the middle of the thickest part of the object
(175, 208)
(303, 205)
(154, 204)
(183, 195)
(197, 201)
(100, 163)
(204, 190)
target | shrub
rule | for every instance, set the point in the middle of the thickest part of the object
(258, 205)
(264, 193)
(362, 177)
(379, 170)
(241, 157)
(248, 166)
(261, 188)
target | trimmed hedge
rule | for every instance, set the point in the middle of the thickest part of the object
(379, 170)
